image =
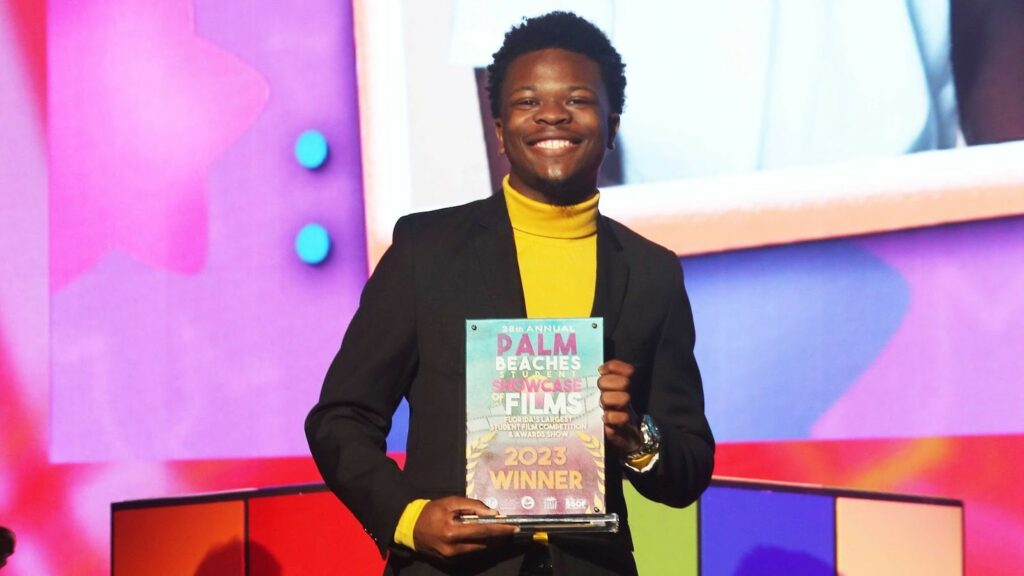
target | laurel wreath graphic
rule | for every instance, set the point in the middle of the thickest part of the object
(474, 449)
(594, 445)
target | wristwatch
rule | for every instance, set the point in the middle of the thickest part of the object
(651, 442)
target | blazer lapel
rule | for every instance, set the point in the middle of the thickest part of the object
(612, 277)
(496, 258)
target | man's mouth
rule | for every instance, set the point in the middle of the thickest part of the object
(555, 144)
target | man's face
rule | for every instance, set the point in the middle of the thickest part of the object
(555, 125)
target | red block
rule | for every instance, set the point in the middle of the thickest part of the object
(311, 533)
(298, 530)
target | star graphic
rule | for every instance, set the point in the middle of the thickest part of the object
(139, 108)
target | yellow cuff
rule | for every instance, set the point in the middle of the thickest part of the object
(641, 462)
(406, 524)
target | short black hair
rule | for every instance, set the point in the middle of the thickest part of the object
(563, 30)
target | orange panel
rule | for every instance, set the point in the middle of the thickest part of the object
(199, 539)
(879, 538)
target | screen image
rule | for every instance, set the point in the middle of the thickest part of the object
(745, 124)
(194, 194)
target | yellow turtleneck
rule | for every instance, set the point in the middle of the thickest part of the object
(557, 251)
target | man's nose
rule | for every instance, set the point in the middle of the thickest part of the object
(552, 113)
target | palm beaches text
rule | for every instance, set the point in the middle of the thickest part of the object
(537, 371)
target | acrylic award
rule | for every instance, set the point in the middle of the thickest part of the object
(535, 447)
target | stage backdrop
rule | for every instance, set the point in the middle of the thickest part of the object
(193, 193)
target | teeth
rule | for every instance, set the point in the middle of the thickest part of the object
(553, 144)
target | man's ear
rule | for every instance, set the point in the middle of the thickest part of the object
(613, 129)
(499, 133)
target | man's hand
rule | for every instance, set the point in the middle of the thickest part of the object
(620, 421)
(439, 533)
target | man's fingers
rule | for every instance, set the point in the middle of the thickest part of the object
(466, 538)
(460, 505)
(616, 419)
(614, 400)
(611, 382)
(616, 367)
(440, 533)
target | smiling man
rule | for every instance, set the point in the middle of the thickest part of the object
(555, 120)
(538, 249)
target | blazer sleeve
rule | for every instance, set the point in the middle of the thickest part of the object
(676, 403)
(348, 427)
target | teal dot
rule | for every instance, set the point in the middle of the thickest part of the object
(311, 149)
(313, 244)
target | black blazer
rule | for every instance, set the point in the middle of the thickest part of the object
(407, 339)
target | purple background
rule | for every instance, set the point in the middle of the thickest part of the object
(907, 334)
(184, 324)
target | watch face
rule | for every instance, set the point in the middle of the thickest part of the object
(649, 430)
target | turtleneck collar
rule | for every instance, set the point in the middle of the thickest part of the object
(548, 220)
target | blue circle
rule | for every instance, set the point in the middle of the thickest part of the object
(311, 149)
(313, 244)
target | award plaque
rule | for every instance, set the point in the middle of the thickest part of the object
(534, 425)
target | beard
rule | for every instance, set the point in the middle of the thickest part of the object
(565, 191)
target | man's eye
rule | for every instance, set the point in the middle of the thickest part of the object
(579, 101)
(526, 102)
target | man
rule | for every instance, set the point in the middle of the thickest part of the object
(538, 249)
